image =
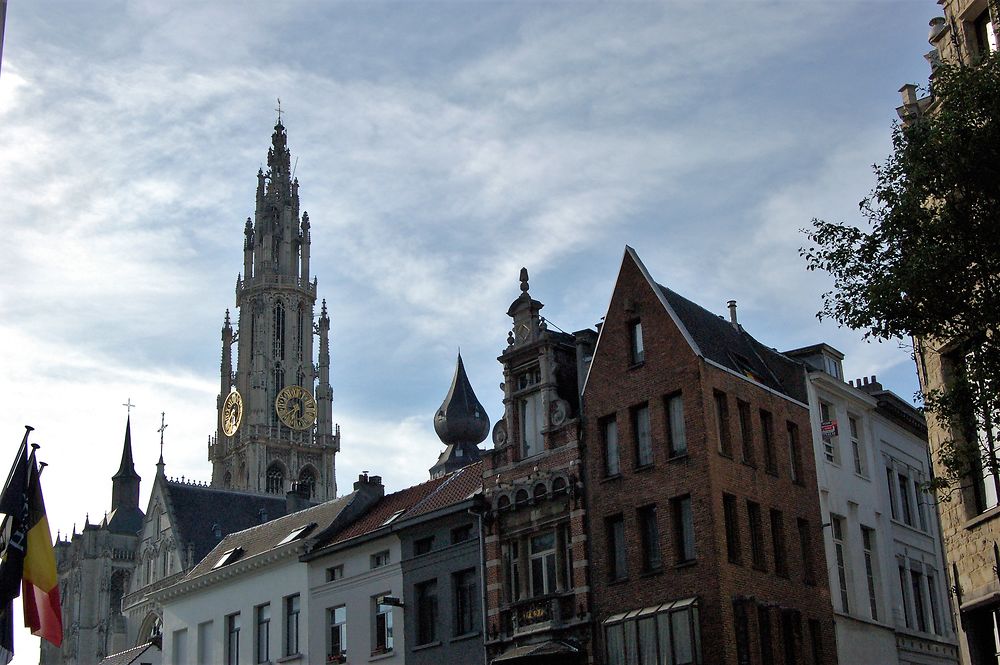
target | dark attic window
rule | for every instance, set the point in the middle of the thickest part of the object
(297, 533)
(228, 557)
(637, 350)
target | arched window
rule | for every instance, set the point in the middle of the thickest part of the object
(540, 491)
(503, 502)
(558, 485)
(301, 337)
(119, 583)
(307, 478)
(227, 480)
(275, 479)
(521, 497)
(279, 330)
(279, 379)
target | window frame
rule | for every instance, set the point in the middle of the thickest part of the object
(642, 435)
(649, 535)
(293, 607)
(674, 429)
(609, 445)
(265, 632)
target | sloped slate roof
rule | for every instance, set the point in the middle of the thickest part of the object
(264, 537)
(129, 656)
(420, 499)
(734, 348)
(197, 508)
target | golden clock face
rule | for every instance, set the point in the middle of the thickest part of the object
(232, 413)
(296, 407)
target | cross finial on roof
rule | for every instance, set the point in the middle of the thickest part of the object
(129, 405)
(163, 427)
(279, 110)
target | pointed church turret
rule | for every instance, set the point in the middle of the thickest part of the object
(125, 515)
(461, 423)
(275, 422)
(125, 482)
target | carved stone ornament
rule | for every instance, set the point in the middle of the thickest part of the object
(500, 433)
(559, 412)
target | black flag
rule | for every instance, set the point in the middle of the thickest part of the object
(14, 532)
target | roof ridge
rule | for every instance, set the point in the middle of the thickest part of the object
(298, 513)
(449, 478)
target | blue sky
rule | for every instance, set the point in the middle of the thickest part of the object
(440, 147)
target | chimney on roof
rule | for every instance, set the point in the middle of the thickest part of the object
(732, 313)
(297, 498)
(370, 486)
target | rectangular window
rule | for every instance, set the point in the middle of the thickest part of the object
(645, 638)
(905, 596)
(542, 560)
(778, 543)
(732, 529)
(513, 571)
(890, 477)
(816, 637)
(904, 499)
(531, 425)
(233, 639)
(337, 617)
(206, 640)
(857, 446)
(380, 559)
(460, 534)
(764, 634)
(609, 429)
(334, 573)
(650, 533)
(292, 625)
(794, 453)
(868, 542)
(722, 423)
(805, 549)
(683, 528)
(676, 438)
(466, 604)
(643, 442)
(828, 428)
(932, 596)
(756, 535)
(263, 613)
(767, 436)
(180, 647)
(423, 545)
(838, 547)
(383, 627)
(427, 611)
(741, 626)
(617, 557)
(637, 352)
(918, 600)
(791, 630)
(746, 433)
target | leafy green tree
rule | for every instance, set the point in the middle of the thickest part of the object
(928, 263)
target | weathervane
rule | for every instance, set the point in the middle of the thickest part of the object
(129, 405)
(163, 426)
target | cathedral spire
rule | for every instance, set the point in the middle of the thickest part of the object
(125, 482)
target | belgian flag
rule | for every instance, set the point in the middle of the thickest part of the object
(40, 586)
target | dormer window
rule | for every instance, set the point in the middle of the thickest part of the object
(298, 533)
(228, 557)
(637, 352)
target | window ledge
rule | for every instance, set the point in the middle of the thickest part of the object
(429, 645)
(381, 655)
(685, 564)
(637, 365)
(772, 472)
(291, 658)
(982, 518)
(723, 453)
(645, 467)
(616, 582)
(750, 464)
(652, 572)
(465, 636)
(679, 457)
(611, 479)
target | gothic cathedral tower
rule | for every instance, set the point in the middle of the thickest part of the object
(275, 426)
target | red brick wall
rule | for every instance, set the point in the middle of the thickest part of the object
(670, 366)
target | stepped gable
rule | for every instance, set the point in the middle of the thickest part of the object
(197, 508)
(735, 349)
(264, 537)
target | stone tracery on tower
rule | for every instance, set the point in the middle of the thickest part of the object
(275, 423)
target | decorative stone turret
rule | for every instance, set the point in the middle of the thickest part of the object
(461, 423)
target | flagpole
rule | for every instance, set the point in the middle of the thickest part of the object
(24, 443)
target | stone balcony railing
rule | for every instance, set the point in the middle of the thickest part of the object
(538, 614)
(271, 280)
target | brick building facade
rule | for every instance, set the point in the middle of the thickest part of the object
(701, 490)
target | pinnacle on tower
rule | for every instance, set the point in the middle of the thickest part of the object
(125, 515)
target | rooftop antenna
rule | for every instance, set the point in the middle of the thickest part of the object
(163, 426)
